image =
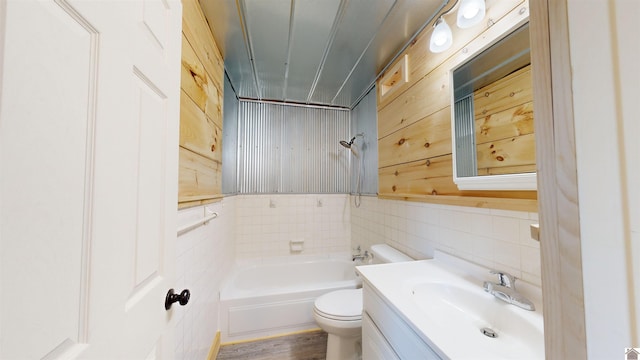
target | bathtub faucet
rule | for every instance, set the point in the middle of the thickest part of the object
(359, 255)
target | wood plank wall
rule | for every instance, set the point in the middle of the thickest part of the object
(560, 240)
(414, 119)
(200, 173)
(503, 112)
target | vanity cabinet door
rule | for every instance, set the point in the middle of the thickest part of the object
(374, 345)
(395, 330)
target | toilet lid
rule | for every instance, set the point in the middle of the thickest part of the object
(341, 304)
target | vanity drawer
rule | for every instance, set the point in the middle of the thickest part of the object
(374, 345)
(404, 341)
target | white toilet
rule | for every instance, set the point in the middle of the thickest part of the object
(339, 312)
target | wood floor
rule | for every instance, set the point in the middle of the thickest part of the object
(304, 346)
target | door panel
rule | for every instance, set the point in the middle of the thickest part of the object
(149, 247)
(89, 124)
(50, 165)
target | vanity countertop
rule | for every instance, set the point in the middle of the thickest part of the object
(451, 322)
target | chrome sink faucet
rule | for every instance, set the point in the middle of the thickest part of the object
(505, 290)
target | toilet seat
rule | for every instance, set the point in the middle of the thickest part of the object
(341, 305)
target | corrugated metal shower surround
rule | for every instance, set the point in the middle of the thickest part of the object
(292, 149)
(312, 51)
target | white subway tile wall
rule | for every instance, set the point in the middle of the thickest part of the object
(267, 223)
(492, 238)
(252, 227)
(203, 258)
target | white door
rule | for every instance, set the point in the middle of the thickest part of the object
(89, 124)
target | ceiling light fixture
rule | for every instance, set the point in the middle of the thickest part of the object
(441, 38)
(470, 12)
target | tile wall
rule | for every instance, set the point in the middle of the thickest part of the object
(267, 223)
(492, 238)
(261, 226)
(204, 256)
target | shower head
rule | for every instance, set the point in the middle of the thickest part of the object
(347, 144)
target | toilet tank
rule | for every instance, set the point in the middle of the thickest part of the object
(383, 253)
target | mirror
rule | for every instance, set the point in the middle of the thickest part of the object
(492, 119)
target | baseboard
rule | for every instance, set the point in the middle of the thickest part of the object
(215, 347)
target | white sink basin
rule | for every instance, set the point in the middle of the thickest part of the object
(475, 318)
(444, 302)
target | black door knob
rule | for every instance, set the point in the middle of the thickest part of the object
(182, 298)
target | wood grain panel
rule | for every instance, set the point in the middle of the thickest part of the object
(197, 83)
(198, 177)
(395, 77)
(427, 92)
(200, 110)
(214, 103)
(207, 200)
(504, 124)
(198, 132)
(560, 247)
(510, 152)
(193, 77)
(431, 94)
(435, 174)
(430, 176)
(508, 170)
(513, 90)
(517, 204)
(196, 30)
(424, 61)
(514, 195)
(426, 138)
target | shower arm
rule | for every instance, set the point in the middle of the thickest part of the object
(348, 144)
(354, 138)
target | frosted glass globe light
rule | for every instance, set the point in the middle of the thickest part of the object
(470, 13)
(441, 38)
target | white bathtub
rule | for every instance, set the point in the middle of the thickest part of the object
(276, 298)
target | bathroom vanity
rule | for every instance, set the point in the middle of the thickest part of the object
(438, 309)
(389, 336)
